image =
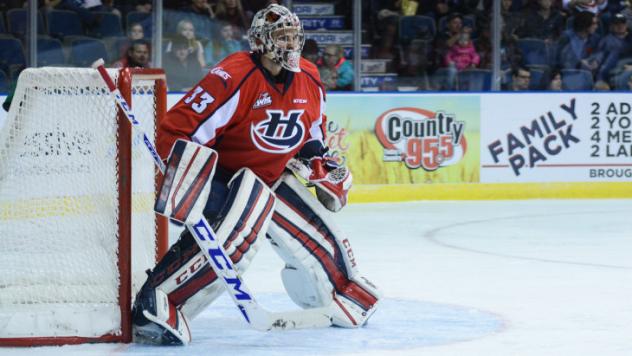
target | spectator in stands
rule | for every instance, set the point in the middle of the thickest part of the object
(182, 68)
(630, 83)
(512, 20)
(442, 8)
(520, 78)
(334, 60)
(143, 6)
(328, 77)
(462, 54)
(135, 31)
(310, 51)
(593, 6)
(137, 55)
(543, 22)
(221, 46)
(385, 44)
(615, 45)
(579, 43)
(251, 7)
(200, 7)
(556, 81)
(445, 40)
(84, 8)
(185, 29)
(232, 12)
(108, 6)
(417, 61)
(626, 10)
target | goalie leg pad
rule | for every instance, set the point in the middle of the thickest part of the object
(184, 274)
(320, 267)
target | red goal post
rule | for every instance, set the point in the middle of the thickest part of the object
(76, 206)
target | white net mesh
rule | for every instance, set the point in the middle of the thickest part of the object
(59, 205)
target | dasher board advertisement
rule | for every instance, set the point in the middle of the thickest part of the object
(566, 137)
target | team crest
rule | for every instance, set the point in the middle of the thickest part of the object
(278, 133)
(264, 100)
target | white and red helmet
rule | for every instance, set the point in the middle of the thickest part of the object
(278, 34)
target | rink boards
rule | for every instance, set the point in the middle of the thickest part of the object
(476, 146)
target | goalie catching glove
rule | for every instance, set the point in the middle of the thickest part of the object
(332, 181)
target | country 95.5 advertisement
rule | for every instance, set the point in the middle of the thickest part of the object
(566, 137)
(399, 139)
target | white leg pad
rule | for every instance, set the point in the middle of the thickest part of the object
(320, 266)
(189, 281)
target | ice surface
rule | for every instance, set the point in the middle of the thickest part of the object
(536, 277)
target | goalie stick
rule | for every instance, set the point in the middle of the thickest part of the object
(254, 314)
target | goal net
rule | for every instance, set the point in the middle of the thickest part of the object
(77, 228)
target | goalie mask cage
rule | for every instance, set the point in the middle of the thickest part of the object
(77, 227)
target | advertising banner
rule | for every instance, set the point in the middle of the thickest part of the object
(403, 139)
(567, 137)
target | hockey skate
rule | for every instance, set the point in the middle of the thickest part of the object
(156, 321)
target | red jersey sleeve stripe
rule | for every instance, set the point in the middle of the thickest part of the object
(210, 128)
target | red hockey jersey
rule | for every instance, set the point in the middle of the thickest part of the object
(251, 121)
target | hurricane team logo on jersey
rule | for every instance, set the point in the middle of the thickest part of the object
(278, 133)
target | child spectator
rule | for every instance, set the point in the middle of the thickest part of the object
(185, 29)
(334, 60)
(462, 54)
(328, 77)
(445, 40)
(135, 32)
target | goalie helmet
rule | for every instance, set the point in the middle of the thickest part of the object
(277, 33)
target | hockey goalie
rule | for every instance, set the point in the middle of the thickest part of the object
(261, 112)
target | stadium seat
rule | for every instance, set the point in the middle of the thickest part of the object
(109, 24)
(62, 23)
(576, 79)
(621, 81)
(416, 27)
(474, 80)
(539, 79)
(16, 22)
(4, 82)
(11, 52)
(50, 52)
(443, 79)
(84, 51)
